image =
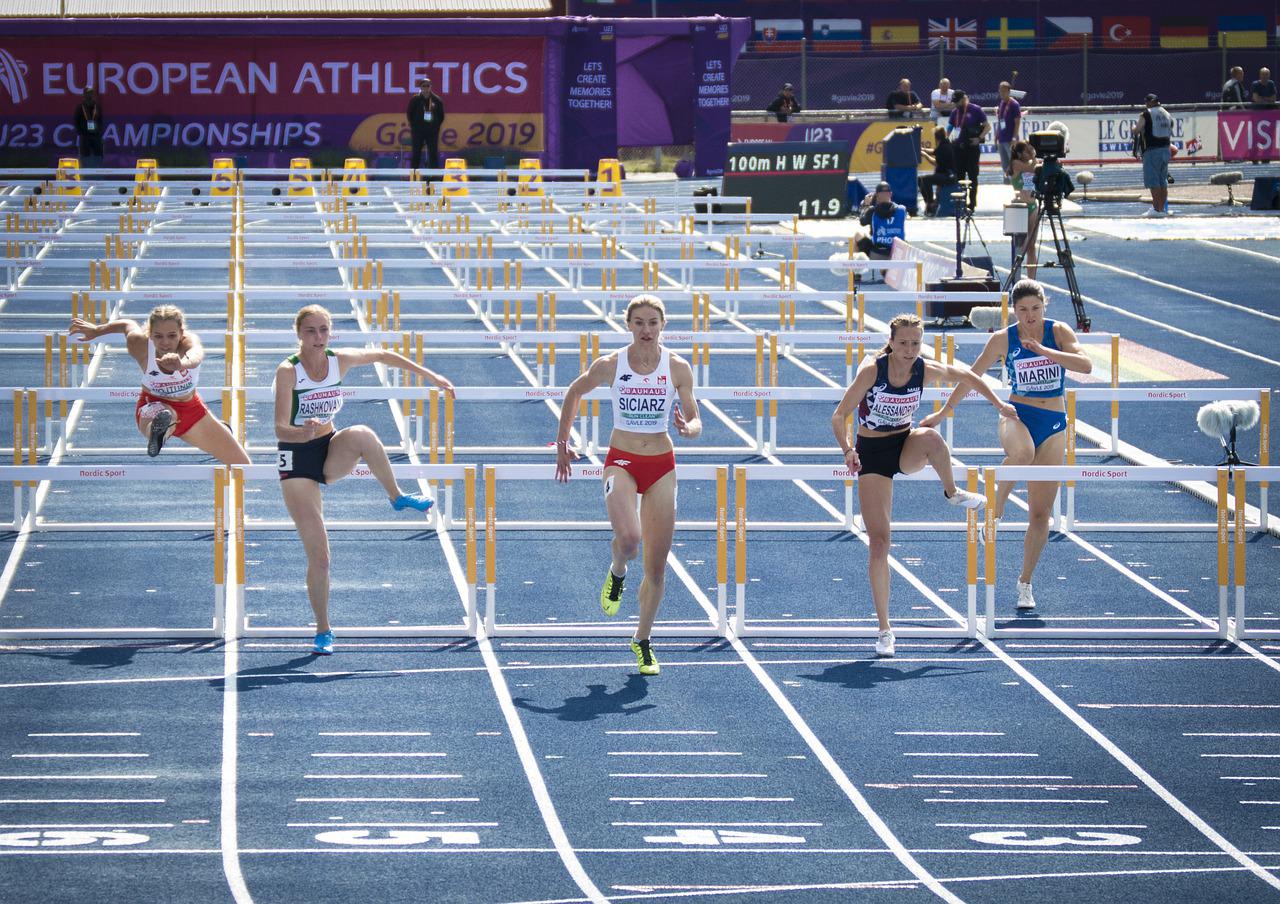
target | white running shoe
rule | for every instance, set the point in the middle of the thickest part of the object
(1148, 214)
(884, 644)
(966, 499)
(1026, 601)
(982, 532)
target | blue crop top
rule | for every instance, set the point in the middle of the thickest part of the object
(1033, 375)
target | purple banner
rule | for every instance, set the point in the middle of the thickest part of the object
(1249, 135)
(712, 64)
(590, 120)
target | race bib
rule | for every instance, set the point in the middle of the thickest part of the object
(284, 460)
(1037, 374)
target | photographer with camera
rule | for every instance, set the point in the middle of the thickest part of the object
(1151, 144)
(968, 127)
(885, 219)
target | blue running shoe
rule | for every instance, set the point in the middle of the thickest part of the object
(414, 501)
(324, 644)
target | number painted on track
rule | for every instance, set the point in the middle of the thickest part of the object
(714, 837)
(1081, 839)
(63, 838)
(396, 837)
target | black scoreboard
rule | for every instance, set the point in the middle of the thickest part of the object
(805, 178)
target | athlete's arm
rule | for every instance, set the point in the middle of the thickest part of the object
(135, 337)
(190, 351)
(688, 420)
(937, 372)
(600, 373)
(359, 357)
(995, 349)
(849, 402)
(1068, 354)
(286, 432)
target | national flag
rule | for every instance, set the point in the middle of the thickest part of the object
(953, 34)
(778, 35)
(1126, 31)
(1184, 33)
(1242, 31)
(837, 35)
(902, 34)
(1068, 31)
(1011, 34)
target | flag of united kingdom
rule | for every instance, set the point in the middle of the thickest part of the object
(953, 34)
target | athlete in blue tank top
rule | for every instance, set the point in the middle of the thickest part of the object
(1037, 353)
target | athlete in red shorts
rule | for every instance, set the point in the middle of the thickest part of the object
(651, 386)
(169, 404)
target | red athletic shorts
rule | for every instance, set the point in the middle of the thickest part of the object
(189, 411)
(645, 470)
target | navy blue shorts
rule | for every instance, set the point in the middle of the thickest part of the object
(303, 459)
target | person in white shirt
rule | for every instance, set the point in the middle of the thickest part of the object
(940, 100)
(651, 385)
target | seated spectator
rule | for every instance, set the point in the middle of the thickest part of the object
(1263, 91)
(941, 101)
(944, 169)
(903, 102)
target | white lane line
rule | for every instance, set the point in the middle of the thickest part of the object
(1250, 778)
(83, 800)
(1065, 778)
(1231, 734)
(83, 734)
(1150, 321)
(1262, 803)
(363, 755)
(1179, 705)
(388, 825)
(1012, 800)
(688, 775)
(228, 819)
(657, 731)
(1241, 756)
(87, 825)
(387, 775)
(1244, 309)
(948, 753)
(386, 800)
(953, 734)
(77, 756)
(1038, 825)
(23, 685)
(674, 753)
(75, 778)
(1045, 786)
(709, 800)
(775, 825)
(1249, 251)
(374, 734)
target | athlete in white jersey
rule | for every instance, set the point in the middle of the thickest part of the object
(1038, 353)
(885, 394)
(169, 404)
(308, 393)
(651, 386)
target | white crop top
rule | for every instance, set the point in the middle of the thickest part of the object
(167, 386)
(315, 400)
(642, 402)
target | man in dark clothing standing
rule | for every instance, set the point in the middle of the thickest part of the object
(1234, 92)
(89, 125)
(784, 104)
(968, 126)
(425, 114)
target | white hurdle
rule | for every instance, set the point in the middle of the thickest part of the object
(494, 473)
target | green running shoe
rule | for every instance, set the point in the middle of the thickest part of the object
(644, 657)
(611, 593)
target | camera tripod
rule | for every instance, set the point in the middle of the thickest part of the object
(965, 226)
(1051, 212)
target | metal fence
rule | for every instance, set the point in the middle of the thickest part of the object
(1050, 78)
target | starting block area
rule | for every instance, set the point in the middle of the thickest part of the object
(482, 714)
